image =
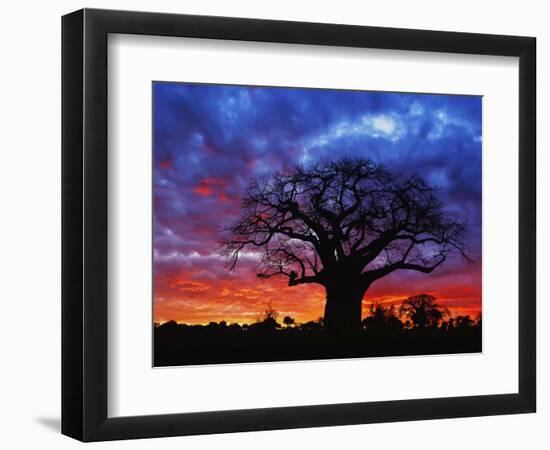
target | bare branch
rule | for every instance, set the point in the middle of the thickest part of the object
(347, 216)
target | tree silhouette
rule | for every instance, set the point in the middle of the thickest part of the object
(268, 320)
(344, 225)
(423, 311)
(269, 314)
(463, 321)
(288, 321)
(381, 317)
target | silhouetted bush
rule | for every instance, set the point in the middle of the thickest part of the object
(288, 321)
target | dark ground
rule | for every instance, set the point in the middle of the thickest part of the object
(177, 344)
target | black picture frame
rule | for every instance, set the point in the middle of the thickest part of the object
(84, 224)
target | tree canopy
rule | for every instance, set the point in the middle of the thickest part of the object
(348, 216)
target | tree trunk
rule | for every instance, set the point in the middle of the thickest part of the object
(343, 309)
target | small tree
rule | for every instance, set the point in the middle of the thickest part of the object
(268, 314)
(288, 321)
(268, 320)
(463, 321)
(381, 317)
(423, 311)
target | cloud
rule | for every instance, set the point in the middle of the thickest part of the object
(384, 124)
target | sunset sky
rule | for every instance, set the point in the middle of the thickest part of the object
(210, 140)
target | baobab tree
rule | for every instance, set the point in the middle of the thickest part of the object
(344, 225)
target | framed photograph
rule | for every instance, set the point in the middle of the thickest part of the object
(273, 224)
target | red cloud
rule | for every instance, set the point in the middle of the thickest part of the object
(204, 190)
(165, 164)
(213, 186)
(210, 186)
(223, 197)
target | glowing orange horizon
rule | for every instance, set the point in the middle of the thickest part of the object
(241, 299)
